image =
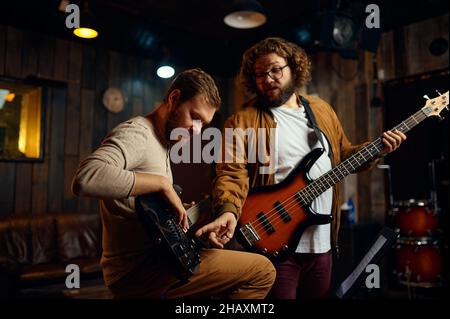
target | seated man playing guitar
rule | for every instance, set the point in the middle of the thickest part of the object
(134, 160)
(274, 70)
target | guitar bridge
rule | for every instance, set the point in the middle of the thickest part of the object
(249, 234)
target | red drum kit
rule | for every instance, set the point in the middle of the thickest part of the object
(418, 256)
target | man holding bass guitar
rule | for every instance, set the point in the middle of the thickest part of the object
(274, 69)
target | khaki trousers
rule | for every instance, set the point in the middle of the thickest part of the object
(221, 274)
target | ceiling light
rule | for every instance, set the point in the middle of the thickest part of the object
(245, 14)
(165, 71)
(86, 33)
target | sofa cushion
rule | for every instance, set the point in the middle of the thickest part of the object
(29, 239)
(15, 238)
(43, 239)
(78, 236)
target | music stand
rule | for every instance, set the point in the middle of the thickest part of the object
(385, 239)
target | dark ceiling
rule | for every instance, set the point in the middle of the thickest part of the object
(192, 32)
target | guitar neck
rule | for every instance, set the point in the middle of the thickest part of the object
(194, 212)
(351, 164)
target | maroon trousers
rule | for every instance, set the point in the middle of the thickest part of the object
(303, 276)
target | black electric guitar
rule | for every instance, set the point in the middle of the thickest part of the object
(161, 224)
(274, 217)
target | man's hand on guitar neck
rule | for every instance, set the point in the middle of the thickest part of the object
(187, 205)
(220, 230)
(392, 141)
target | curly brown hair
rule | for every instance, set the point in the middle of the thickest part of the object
(192, 82)
(295, 56)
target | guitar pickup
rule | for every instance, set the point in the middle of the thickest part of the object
(249, 234)
(268, 227)
(282, 212)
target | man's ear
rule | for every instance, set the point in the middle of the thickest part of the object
(173, 99)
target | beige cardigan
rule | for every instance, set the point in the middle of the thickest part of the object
(109, 175)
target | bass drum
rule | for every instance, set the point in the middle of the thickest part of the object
(415, 218)
(418, 262)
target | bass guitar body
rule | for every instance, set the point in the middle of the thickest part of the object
(274, 217)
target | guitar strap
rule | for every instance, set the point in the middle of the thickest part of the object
(312, 120)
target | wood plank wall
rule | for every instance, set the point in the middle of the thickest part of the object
(76, 121)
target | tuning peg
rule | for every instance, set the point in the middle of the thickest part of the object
(426, 97)
(438, 92)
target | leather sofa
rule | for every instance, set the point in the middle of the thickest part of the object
(35, 249)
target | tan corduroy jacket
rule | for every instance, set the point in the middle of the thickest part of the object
(233, 180)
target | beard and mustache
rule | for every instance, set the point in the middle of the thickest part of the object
(266, 102)
(173, 122)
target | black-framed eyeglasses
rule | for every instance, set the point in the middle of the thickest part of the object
(275, 73)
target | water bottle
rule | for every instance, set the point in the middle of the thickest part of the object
(351, 211)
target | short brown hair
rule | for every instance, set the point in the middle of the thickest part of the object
(192, 82)
(295, 56)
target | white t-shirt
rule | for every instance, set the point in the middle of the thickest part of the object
(295, 138)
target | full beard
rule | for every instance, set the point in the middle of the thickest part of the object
(171, 124)
(266, 102)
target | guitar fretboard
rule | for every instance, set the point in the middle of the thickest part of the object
(351, 164)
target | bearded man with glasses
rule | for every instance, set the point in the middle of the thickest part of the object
(274, 70)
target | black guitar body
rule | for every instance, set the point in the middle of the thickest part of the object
(161, 224)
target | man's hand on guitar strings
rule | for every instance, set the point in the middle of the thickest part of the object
(220, 230)
(169, 194)
(392, 141)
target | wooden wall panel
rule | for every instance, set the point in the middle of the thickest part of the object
(101, 83)
(47, 57)
(113, 81)
(12, 66)
(24, 171)
(61, 68)
(56, 151)
(86, 129)
(149, 88)
(39, 186)
(3, 34)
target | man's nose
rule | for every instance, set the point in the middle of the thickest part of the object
(268, 78)
(196, 127)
